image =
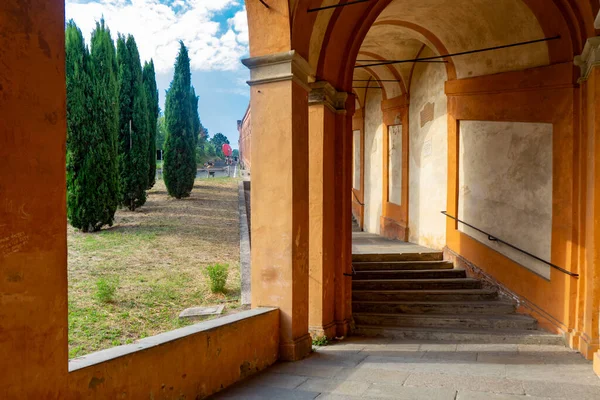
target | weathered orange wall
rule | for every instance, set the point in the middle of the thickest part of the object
(192, 367)
(280, 209)
(321, 275)
(538, 95)
(33, 223)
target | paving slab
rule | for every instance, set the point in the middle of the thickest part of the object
(372, 375)
(470, 383)
(336, 386)
(369, 243)
(468, 395)
(562, 390)
(409, 393)
(378, 368)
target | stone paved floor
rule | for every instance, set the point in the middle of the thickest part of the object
(369, 243)
(361, 368)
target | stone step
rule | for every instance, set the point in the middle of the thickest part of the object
(424, 295)
(411, 274)
(482, 321)
(416, 284)
(435, 307)
(425, 256)
(401, 265)
(462, 336)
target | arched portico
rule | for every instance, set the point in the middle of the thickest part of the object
(532, 94)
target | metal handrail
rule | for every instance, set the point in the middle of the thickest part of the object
(356, 197)
(495, 239)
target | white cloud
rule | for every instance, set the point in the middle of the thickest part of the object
(158, 27)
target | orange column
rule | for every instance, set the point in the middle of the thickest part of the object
(343, 218)
(33, 222)
(324, 104)
(589, 288)
(279, 103)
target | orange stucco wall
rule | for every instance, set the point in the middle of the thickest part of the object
(33, 247)
(547, 95)
(193, 366)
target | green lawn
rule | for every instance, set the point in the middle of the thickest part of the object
(132, 280)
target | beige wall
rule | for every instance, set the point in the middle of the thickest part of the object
(428, 148)
(356, 160)
(505, 187)
(373, 161)
(395, 164)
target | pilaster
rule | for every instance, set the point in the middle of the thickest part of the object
(324, 104)
(279, 102)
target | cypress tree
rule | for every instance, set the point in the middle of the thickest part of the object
(133, 125)
(149, 78)
(106, 117)
(179, 164)
(196, 125)
(89, 206)
(195, 117)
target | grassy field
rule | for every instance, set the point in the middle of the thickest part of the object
(132, 280)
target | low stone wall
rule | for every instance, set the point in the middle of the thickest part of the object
(188, 363)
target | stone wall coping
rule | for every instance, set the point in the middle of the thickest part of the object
(102, 356)
(288, 65)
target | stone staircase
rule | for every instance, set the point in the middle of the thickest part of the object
(419, 296)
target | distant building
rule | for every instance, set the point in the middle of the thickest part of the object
(244, 143)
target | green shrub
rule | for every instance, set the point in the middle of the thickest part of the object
(217, 274)
(320, 341)
(106, 288)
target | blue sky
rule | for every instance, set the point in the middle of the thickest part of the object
(215, 32)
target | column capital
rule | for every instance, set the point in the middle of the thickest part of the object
(322, 92)
(589, 58)
(279, 67)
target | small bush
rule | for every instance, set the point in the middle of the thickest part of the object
(217, 274)
(320, 341)
(106, 289)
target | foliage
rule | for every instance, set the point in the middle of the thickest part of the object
(149, 79)
(133, 123)
(320, 341)
(179, 169)
(106, 288)
(196, 125)
(217, 274)
(161, 133)
(218, 141)
(92, 185)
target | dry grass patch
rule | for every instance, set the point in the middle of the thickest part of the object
(132, 280)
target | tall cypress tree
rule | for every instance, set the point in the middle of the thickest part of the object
(180, 163)
(106, 116)
(149, 78)
(133, 125)
(195, 117)
(89, 205)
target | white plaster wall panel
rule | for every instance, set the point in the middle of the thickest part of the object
(395, 164)
(428, 156)
(505, 187)
(356, 160)
(373, 161)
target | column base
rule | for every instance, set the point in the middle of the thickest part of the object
(597, 363)
(296, 350)
(342, 328)
(329, 331)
